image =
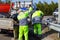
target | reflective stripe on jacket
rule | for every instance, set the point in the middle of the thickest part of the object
(22, 17)
(36, 20)
(37, 17)
(23, 22)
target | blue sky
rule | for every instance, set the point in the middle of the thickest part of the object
(48, 1)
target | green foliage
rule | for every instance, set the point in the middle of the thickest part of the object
(48, 9)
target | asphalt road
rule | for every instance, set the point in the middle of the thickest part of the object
(5, 36)
(47, 35)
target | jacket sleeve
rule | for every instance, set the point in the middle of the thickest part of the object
(30, 9)
(18, 17)
(42, 13)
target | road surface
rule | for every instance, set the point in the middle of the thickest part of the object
(47, 34)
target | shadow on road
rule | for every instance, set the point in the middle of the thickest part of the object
(6, 33)
(48, 33)
(32, 36)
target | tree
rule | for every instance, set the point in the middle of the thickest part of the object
(48, 9)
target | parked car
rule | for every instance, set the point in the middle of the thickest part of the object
(55, 14)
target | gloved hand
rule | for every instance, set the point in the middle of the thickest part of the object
(28, 19)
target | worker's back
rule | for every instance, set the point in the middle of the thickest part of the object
(37, 13)
(37, 17)
(22, 17)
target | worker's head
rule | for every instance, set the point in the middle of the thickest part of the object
(37, 8)
(30, 5)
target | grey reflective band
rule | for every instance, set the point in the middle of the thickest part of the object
(23, 22)
(36, 20)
